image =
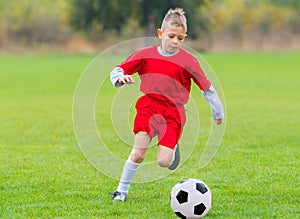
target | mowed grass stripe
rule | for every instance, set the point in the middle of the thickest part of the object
(254, 175)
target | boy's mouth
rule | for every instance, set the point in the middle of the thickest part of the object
(173, 48)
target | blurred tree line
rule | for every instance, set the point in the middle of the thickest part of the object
(56, 21)
(33, 21)
(101, 17)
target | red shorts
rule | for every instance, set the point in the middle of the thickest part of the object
(159, 119)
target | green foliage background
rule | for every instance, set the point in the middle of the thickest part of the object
(50, 21)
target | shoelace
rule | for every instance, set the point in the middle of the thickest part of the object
(114, 194)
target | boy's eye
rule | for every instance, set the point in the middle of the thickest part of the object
(179, 38)
(171, 36)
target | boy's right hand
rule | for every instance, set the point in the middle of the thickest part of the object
(126, 79)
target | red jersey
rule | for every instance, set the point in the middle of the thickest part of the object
(166, 78)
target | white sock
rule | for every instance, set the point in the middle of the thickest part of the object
(128, 173)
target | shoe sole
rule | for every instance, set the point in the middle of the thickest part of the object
(120, 199)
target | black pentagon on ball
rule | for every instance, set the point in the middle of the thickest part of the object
(201, 188)
(199, 209)
(182, 196)
(182, 181)
(180, 215)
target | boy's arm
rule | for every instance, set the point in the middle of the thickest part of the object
(214, 101)
(118, 78)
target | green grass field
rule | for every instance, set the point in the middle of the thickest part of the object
(255, 174)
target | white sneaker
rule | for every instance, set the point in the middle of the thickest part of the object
(118, 196)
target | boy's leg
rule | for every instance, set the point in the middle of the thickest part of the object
(141, 142)
(164, 156)
(168, 154)
(168, 157)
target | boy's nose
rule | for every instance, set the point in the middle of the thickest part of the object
(175, 40)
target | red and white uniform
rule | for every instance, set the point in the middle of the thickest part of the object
(166, 78)
(166, 83)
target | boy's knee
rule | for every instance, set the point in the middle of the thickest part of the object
(137, 156)
(164, 163)
(164, 156)
(141, 142)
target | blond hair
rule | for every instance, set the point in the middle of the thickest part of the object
(174, 17)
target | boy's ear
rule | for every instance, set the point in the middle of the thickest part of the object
(159, 33)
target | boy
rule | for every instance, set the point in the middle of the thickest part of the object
(166, 72)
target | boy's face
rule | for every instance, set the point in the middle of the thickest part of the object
(171, 37)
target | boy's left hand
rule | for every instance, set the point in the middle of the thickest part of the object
(218, 121)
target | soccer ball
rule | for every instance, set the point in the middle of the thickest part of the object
(191, 199)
